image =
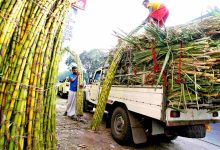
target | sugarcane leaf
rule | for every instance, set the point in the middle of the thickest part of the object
(163, 67)
(177, 109)
(197, 85)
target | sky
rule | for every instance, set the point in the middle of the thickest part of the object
(94, 26)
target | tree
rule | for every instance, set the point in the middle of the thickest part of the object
(63, 75)
(92, 59)
(69, 60)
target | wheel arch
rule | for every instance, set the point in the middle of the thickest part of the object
(138, 133)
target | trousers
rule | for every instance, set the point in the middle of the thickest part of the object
(71, 104)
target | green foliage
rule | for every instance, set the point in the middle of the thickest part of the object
(63, 75)
(69, 60)
(92, 59)
(214, 11)
(85, 76)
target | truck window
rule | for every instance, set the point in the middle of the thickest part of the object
(97, 76)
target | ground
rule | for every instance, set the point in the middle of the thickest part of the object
(73, 135)
(76, 135)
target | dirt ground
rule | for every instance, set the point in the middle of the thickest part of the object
(76, 135)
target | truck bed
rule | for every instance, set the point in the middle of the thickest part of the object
(142, 99)
(147, 101)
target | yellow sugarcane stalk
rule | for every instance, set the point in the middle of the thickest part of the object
(30, 34)
(9, 26)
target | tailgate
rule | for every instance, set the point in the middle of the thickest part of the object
(191, 116)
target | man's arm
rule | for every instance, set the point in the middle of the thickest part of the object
(148, 17)
(72, 77)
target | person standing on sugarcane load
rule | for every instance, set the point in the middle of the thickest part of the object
(158, 13)
(71, 104)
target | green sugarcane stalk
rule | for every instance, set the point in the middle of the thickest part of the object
(33, 95)
(38, 104)
(12, 102)
(106, 87)
(22, 48)
(20, 108)
(15, 63)
(6, 36)
(55, 69)
(1, 1)
(6, 11)
(57, 47)
(49, 110)
(3, 113)
(19, 73)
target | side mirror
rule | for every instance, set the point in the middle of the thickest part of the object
(90, 80)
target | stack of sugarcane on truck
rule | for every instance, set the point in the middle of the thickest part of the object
(160, 83)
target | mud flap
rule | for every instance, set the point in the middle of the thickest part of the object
(137, 130)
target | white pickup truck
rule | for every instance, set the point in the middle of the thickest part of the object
(136, 113)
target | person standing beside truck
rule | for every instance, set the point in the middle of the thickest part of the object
(71, 104)
(158, 13)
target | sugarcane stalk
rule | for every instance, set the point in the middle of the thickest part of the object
(106, 87)
(34, 80)
(18, 75)
(32, 17)
(50, 94)
(6, 36)
(21, 104)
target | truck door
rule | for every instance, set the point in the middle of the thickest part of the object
(95, 86)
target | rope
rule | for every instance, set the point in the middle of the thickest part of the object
(155, 66)
(135, 71)
(40, 89)
(156, 69)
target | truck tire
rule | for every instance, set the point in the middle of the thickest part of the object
(163, 138)
(85, 103)
(61, 94)
(170, 137)
(194, 131)
(87, 106)
(167, 138)
(120, 126)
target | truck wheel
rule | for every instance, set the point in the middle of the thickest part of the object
(120, 126)
(61, 94)
(85, 103)
(167, 138)
(170, 137)
(87, 106)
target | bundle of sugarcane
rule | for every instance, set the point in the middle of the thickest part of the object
(185, 59)
(106, 87)
(30, 44)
